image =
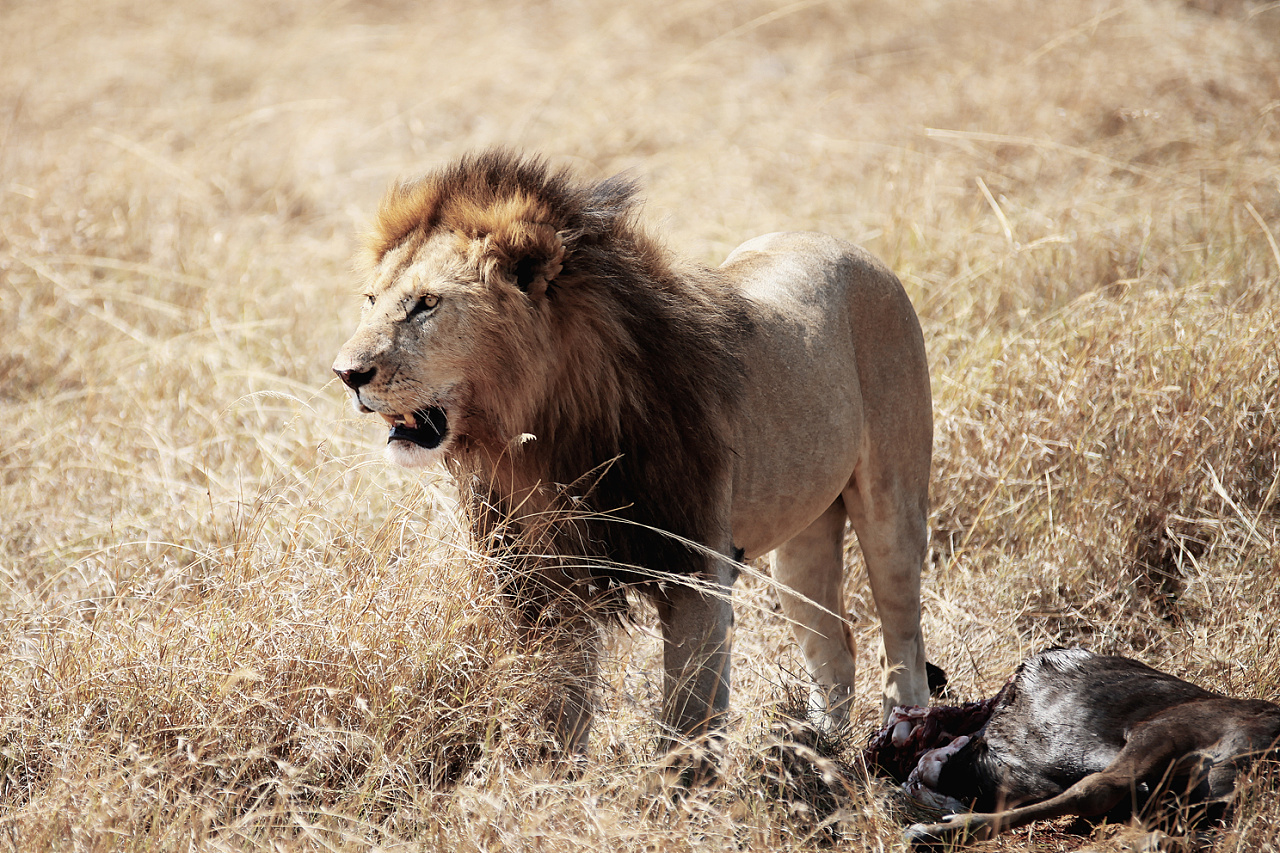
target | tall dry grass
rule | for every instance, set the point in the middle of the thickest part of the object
(226, 624)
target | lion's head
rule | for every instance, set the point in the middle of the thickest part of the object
(452, 344)
(436, 341)
(505, 299)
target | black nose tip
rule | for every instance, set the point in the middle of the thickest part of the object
(355, 378)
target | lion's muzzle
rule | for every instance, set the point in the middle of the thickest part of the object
(417, 433)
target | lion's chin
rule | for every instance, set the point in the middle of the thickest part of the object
(419, 439)
(409, 455)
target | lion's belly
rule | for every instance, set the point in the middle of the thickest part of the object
(806, 464)
(760, 527)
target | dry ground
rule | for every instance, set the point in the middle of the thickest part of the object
(225, 624)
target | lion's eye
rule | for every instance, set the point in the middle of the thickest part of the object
(425, 303)
(369, 300)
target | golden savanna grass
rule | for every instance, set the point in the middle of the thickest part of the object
(226, 624)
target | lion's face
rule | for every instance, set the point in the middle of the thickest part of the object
(447, 331)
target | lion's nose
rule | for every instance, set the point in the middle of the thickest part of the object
(355, 378)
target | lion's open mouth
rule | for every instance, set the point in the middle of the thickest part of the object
(425, 427)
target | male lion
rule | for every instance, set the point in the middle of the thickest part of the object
(616, 418)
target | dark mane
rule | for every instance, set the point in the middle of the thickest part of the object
(633, 427)
(477, 193)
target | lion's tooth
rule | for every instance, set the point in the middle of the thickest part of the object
(390, 419)
(410, 421)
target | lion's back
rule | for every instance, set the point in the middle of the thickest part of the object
(803, 267)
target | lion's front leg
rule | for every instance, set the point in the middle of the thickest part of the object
(697, 623)
(569, 652)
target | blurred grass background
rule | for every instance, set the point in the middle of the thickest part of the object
(225, 623)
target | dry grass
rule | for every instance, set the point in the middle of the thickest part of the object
(226, 624)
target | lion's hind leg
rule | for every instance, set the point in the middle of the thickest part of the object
(810, 568)
(892, 527)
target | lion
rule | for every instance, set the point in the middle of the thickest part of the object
(619, 419)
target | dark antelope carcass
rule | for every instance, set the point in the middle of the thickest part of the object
(1074, 733)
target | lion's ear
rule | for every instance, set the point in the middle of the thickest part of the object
(528, 255)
